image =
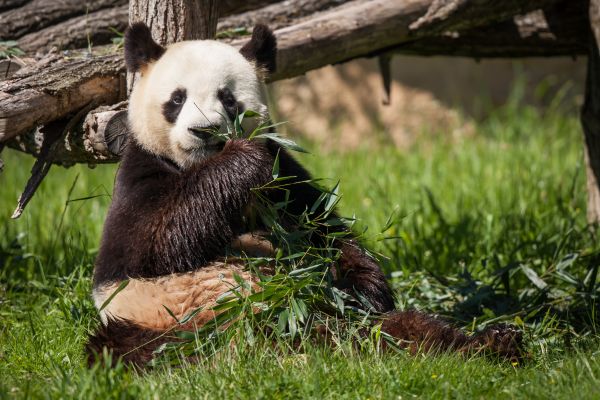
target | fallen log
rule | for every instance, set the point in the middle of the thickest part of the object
(94, 28)
(10, 4)
(89, 28)
(558, 30)
(352, 30)
(39, 14)
(276, 15)
(37, 97)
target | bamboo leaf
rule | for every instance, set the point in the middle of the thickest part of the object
(121, 286)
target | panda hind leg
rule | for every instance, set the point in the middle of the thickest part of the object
(419, 331)
(125, 340)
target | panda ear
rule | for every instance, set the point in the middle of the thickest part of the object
(262, 48)
(140, 48)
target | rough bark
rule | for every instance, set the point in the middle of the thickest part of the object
(560, 29)
(37, 97)
(39, 14)
(230, 7)
(10, 4)
(98, 139)
(175, 20)
(172, 21)
(8, 67)
(443, 15)
(277, 15)
(590, 116)
(355, 29)
(90, 29)
(98, 27)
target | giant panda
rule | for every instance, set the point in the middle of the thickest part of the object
(181, 196)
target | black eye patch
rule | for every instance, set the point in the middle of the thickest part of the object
(173, 106)
(230, 103)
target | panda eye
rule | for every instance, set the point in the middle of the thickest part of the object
(172, 107)
(178, 97)
(229, 102)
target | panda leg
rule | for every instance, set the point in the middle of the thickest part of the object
(357, 271)
(419, 331)
(125, 340)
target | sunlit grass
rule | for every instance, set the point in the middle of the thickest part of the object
(468, 216)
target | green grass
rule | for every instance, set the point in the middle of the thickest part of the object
(470, 220)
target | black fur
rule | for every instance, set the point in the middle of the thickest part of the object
(262, 48)
(127, 341)
(173, 106)
(140, 48)
(230, 103)
(164, 220)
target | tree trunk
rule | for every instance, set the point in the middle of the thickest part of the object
(175, 20)
(590, 116)
(172, 21)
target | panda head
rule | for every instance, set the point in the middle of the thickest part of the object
(188, 89)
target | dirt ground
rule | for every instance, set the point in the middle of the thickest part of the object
(339, 106)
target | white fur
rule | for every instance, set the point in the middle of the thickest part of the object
(201, 67)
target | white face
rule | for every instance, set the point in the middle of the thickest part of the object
(194, 85)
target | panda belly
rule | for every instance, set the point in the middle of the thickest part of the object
(145, 301)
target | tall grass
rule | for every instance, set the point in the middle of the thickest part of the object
(488, 228)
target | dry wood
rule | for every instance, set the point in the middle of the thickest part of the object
(9, 4)
(175, 20)
(230, 7)
(98, 27)
(277, 15)
(54, 92)
(90, 29)
(355, 29)
(590, 116)
(557, 30)
(443, 15)
(39, 14)
(8, 67)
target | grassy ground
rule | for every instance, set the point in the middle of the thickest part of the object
(485, 229)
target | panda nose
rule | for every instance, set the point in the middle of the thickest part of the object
(204, 132)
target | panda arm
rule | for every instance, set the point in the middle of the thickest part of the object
(187, 219)
(355, 269)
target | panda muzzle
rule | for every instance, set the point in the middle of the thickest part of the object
(205, 133)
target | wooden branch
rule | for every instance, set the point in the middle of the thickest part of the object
(38, 97)
(230, 7)
(445, 15)
(10, 4)
(39, 14)
(277, 15)
(590, 116)
(355, 29)
(94, 28)
(558, 30)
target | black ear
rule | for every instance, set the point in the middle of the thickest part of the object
(262, 48)
(140, 48)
